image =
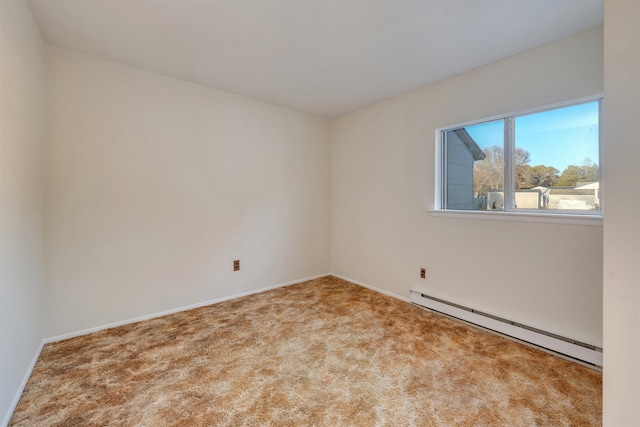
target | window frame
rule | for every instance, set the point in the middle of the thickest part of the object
(510, 213)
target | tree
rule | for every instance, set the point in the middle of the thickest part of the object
(534, 176)
(488, 174)
(574, 174)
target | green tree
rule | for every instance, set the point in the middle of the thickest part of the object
(573, 174)
(534, 176)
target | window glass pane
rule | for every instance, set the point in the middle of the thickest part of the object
(475, 167)
(556, 159)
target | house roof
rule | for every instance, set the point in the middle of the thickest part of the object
(473, 148)
(590, 186)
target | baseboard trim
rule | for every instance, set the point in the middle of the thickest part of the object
(87, 331)
(23, 384)
(373, 288)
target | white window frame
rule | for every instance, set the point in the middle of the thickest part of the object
(510, 213)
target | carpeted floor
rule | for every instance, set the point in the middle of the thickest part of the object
(324, 353)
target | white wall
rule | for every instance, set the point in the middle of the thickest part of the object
(21, 248)
(155, 185)
(622, 219)
(382, 177)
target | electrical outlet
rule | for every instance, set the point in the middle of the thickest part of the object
(236, 265)
(423, 273)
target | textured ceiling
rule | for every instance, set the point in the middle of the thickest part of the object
(319, 56)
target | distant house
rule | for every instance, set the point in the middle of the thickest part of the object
(583, 197)
(586, 196)
(462, 151)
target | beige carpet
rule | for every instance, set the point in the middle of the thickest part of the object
(324, 353)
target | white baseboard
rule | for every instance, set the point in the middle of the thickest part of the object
(373, 288)
(16, 398)
(176, 310)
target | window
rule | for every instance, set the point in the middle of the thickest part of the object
(545, 162)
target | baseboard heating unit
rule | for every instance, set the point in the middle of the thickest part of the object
(558, 344)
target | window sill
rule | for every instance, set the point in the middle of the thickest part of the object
(568, 219)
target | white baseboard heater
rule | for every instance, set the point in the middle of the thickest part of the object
(558, 344)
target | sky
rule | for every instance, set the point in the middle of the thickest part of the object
(558, 138)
